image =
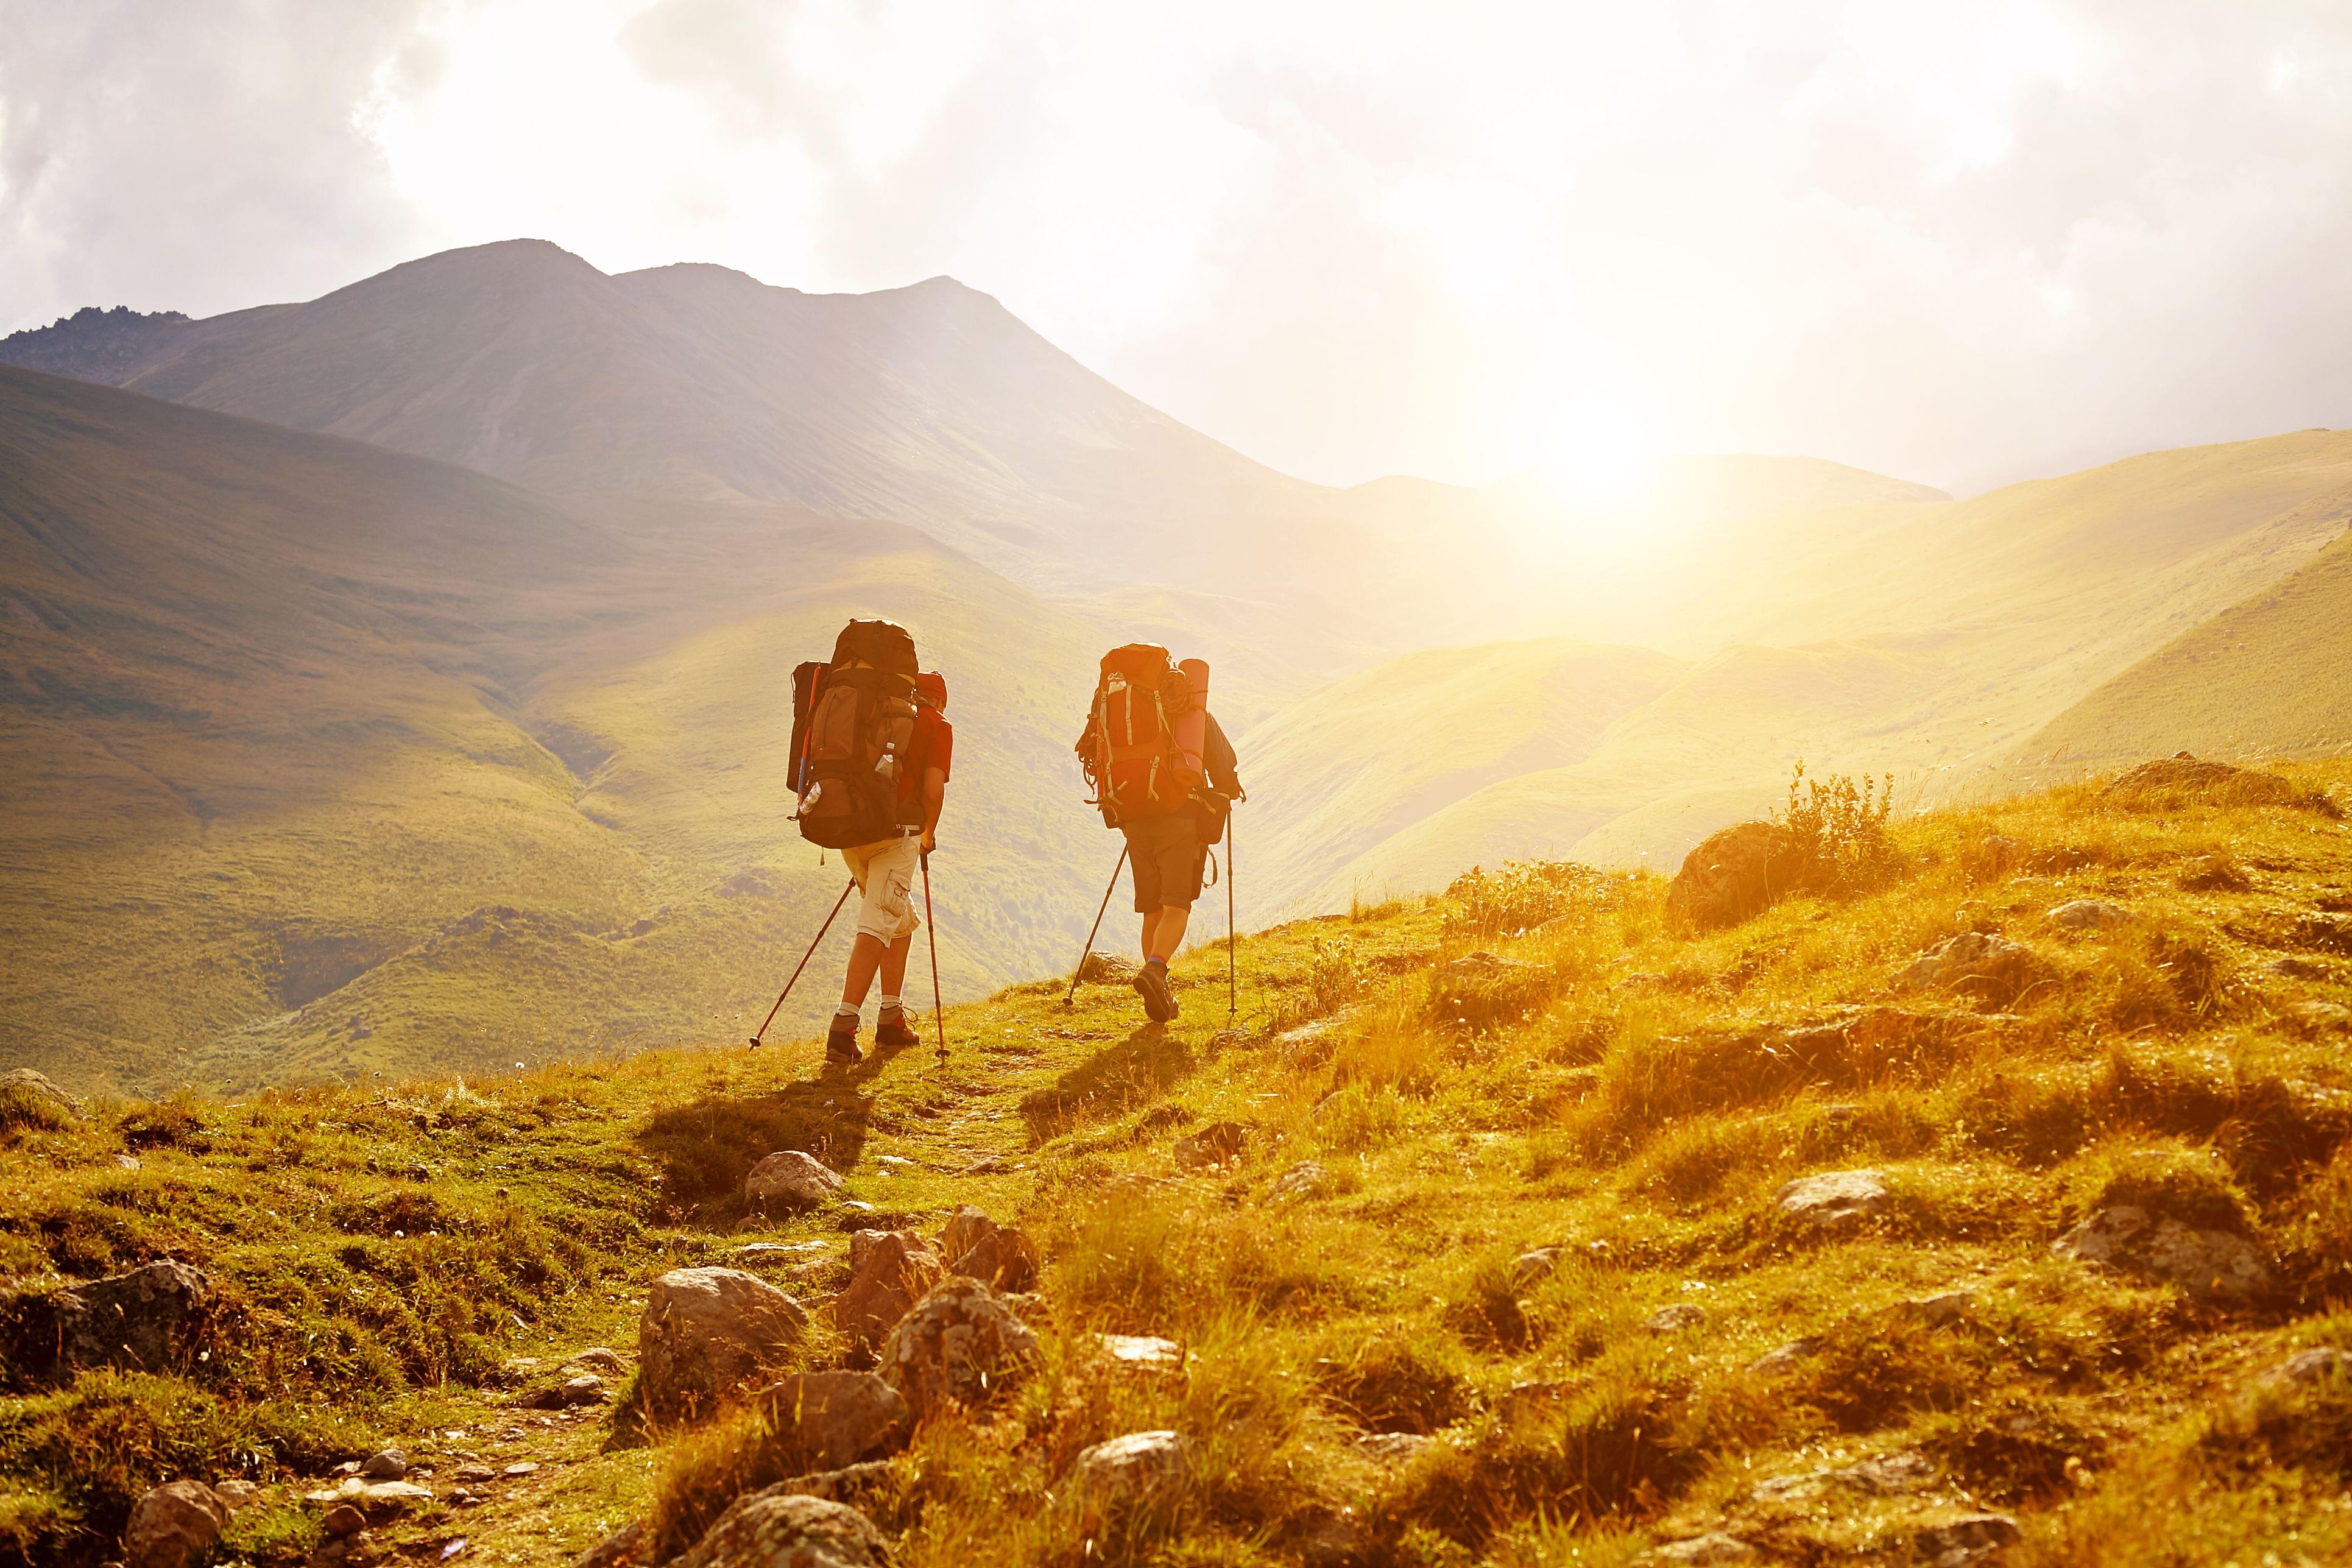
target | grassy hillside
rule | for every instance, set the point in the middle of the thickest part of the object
(322, 759)
(2269, 675)
(1524, 1206)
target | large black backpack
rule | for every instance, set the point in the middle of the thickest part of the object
(853, 719)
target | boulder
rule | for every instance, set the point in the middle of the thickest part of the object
(343, 1521)
(2182, 779)
(705, 1333)
(29, 1099)
(2210, 1266)
(1735, 875)
(1105, 969)
(1974, 963)
(774, 1527)
(789, 1182)
(150, 1319)
(825, 1420)
(1215, 1144)
(2090, 915)
(572, 1392)
(959, 1345)
(630, 1546)
(851, 1484)
(391, 1464)
(173, 1525)
(996, 1255)
(1972, 1538)
(1785, 1358)
(1132, 1468)
(889, 1271)
(1834, 1197)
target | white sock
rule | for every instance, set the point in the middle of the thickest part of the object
(893, 1005)
(845, 1011)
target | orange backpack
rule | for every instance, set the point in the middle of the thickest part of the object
(1129, 750)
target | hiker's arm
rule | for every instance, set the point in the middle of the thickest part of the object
(935, 795)
(1217, 754)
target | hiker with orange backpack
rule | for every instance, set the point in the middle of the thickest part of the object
(871, 751)
(1164, 774)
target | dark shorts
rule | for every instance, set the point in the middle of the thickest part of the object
(1168, 855)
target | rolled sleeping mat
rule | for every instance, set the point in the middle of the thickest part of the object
(1193, 728)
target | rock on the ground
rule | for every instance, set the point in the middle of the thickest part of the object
(889, 1271)
(573, 1392)
(705, 1333)
(596, 1358)
(2209, 1265)
(2090, 915)
(1943, 1307)
(1974, 963)
(1786, 1357)
(1393, 1447)
(35, 1098)
(1969, 1538)
(850, 1484)
(778, 1529)
(1105, 969)
(1716, 1546)
(789, 1181)
(148, 1320)
(343, 1521)
(826, 1420)
(2308, 1367)
(1533, 1267)
(977, 1247)
(388, 1465)
(374, 1501)
(1213, 1145)
(1302, 1180)
(959, 1345)
(1735, 874)
(1888, 1473)
(1136, 1466)
(1834, 1197)
(173, 1525)
(630, 1546)
(1140, 1350)
(1673, 1318)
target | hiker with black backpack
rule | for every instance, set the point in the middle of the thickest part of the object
(871, 749)
(1164, 774)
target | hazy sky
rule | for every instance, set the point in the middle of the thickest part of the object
(1959, 244)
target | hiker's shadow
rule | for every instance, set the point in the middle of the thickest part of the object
(1136, 1071)
(708, 1144)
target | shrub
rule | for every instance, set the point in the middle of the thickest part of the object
(1838, 830)
(1390, 1384)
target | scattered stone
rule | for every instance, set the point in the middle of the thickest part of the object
(126, 1162)
(781, 1252)
(1735, 874)
(604, 1361)
(1834, 1197)
(778, 1529)
(789, 1181)
(521, 1467)
(2090, 915)
(173, 1525)
(1302, 1180)
(1105, 969)
(1713, 1547)
(2301, 968)
(850, 1484)
(2209, 1265)
(1788, 1356)
(473, 1475)
(997, 1256)
(1674, 1317)
(825, 1420)
(571, 1394)
(2322, 1017)
(236, 1492)
(889, 1270)
(630, 1546)
(148, 1320)
(376, 1501)
(1393, 1447)
(1975, 963)
(343, 1520)
(1532, 1268)
(1889, 1473)
(705, 1332)
(1135, 1465)
(32, 1097)
(1968, 1539)
(391, 1464)
(1141, 1350)
(1214, 1144)
(959, 1345)
(2308, 1367)
(1937, 1310)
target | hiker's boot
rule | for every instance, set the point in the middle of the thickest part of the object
(841, 1041)
(894, 1032)
(1151, 984)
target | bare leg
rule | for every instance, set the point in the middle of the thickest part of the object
(1150, 920)
(865, 956)
(1163, 937)
(893, 965)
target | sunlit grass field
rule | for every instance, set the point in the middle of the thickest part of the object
(1414, 1123)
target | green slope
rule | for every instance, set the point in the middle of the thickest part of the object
(2269, 675)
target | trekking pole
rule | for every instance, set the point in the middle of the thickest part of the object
(938, 1017)
(1232, 982)
(804, 958)
(1108, 889)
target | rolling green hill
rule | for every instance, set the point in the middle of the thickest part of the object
(2270, 675)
